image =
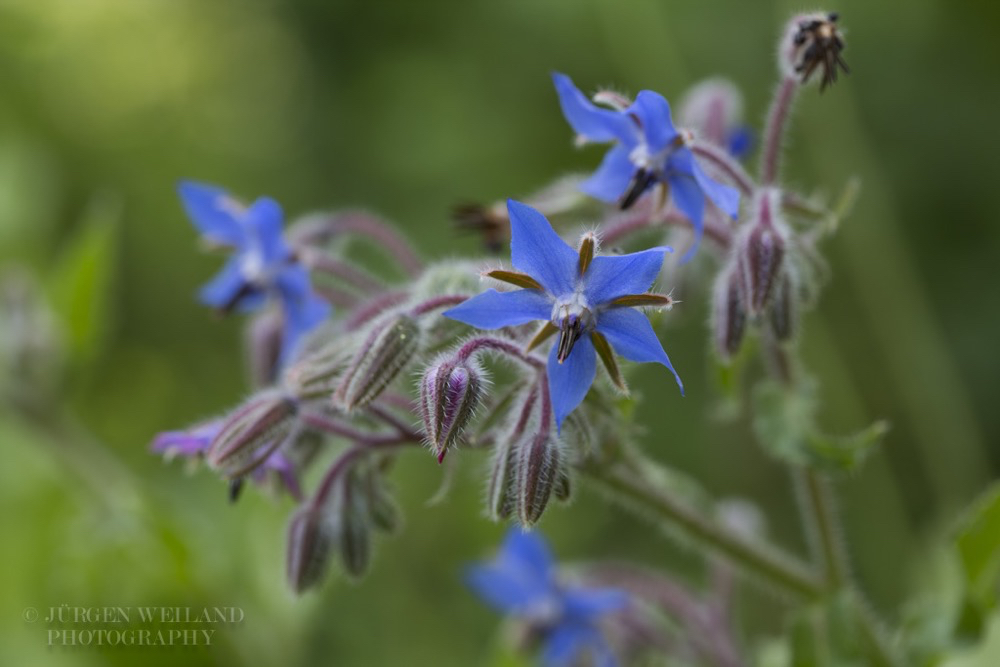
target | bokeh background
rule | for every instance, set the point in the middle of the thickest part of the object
(406, 108)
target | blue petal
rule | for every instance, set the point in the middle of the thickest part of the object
(654, 115)
(264, 218)
(723, 196)
(586, 119)
(537, 250)
(632, 336)
(570, 381)
(612, 177)
(740, 141)
(212, 211)
(493, 309)
(223, 288)
(527, 551)
(690, 200)
(587, 604)
(304, 309)
(565, 642)
(612, 276)
(505, 589)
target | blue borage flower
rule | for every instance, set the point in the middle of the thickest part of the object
(262, 264)
(194, 443)
(589, 300)
(522, 582)
(648, 150)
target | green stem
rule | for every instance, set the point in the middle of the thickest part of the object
(823, 523)
(781, 570)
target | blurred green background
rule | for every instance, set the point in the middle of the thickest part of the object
(407, 108)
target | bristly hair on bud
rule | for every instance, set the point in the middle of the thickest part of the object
(538, 468)
(729, 317)
(450, 392)
(760, 251)
(812, 41)
(310, 544)
(252, 432)
(389, 348)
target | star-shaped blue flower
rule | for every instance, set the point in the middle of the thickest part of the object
(648, 150)
(262, 264)
(588, 300)
(522, 582)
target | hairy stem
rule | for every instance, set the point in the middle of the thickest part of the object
(766, 563)
(774, 133)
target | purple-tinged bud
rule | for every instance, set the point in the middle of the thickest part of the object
(383, 510)
(310, 543)
(538, 459)
(563, 489)
(263, 344)
(450, 392)
(729, 317)
(712, 108)
(499, 502)
(353, 533)
(251, 433)
(316, 374)
(760, 252)
(389, 348)
(783, 315)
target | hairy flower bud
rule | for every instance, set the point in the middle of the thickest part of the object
(712, 108)
(499, 502)
(251, 433)
(389, 347)
(382, 508)
(538, 470)
(353, 531)
(810, 42)
(729, 317)
(761, 252)
(309, 548)
(784, 308)
(450, 392)
(263, 345)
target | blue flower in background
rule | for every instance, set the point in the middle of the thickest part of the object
(522, 582)
(588, 300)
(262, 264)
(648, 150)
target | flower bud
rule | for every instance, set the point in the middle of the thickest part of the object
(388, 349)
(263, 346)
(353, 534)
(538, 460)
(450, 392)
(249, 435)
(382, 508)
(712, 108)
(309, 548)
(761, 252)
(784, 308)
(729, 318)
(499, 503)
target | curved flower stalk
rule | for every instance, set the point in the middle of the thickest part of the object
(262, 265)
(590, 301)
(648, 150)
(522, 581)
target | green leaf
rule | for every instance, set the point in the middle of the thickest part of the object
(845, 453)
(783, 418)
(79, 284)
(978, 544)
